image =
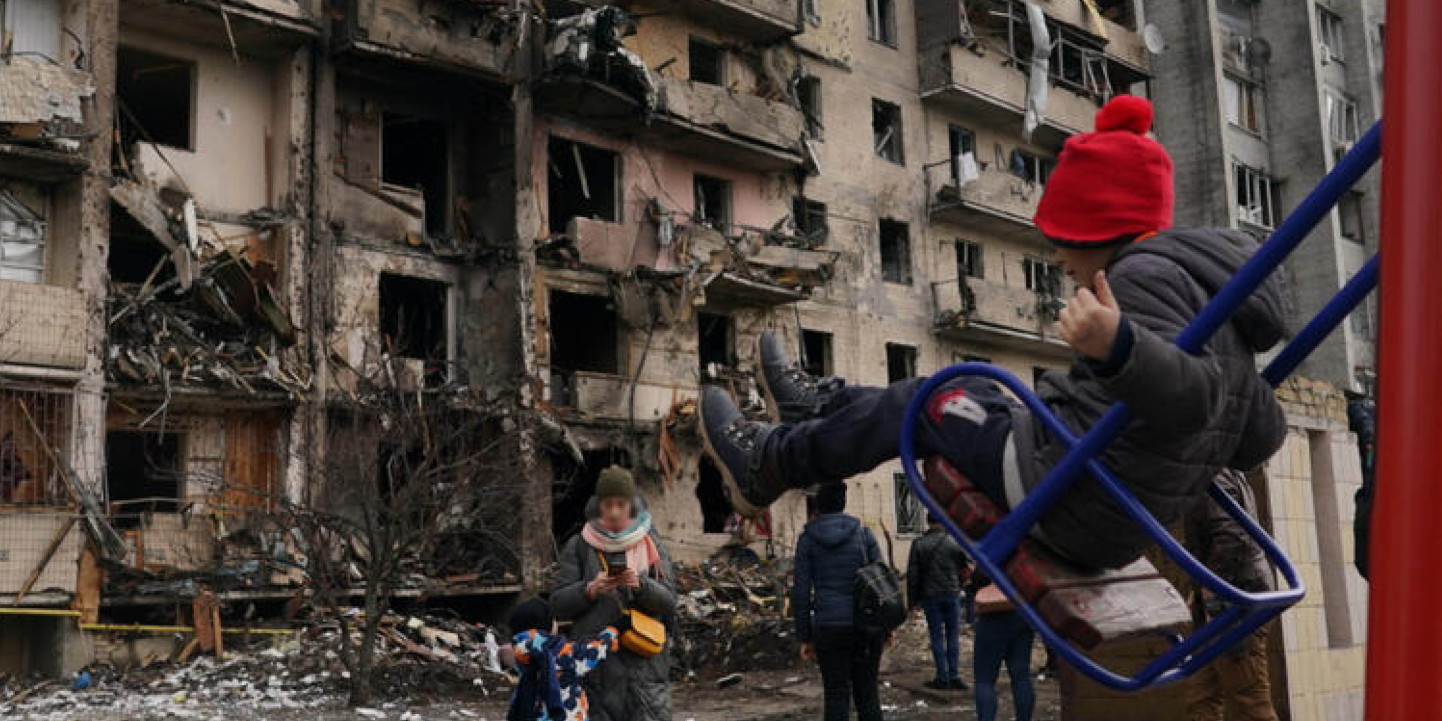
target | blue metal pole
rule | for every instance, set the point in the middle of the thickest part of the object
(1322, 325)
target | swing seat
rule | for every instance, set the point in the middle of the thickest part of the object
(1093, 609)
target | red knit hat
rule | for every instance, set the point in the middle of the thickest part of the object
(1109, 184)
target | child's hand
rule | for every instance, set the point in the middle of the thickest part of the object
(1089, 322)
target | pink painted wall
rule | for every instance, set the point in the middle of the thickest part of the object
(648, 172)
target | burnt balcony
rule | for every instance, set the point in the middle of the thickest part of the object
(996, 202)
(471, 39)
(989, 86)
(605, 396)
(760, 21)
(973, 310)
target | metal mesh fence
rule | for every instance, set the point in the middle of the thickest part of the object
(35, 426)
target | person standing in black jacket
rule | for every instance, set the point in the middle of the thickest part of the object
(934, 573)
(823, 601)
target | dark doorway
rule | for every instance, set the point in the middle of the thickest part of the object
(582, 182)
(413, 317)
(414, 155)
(716, 341)
(156, 95)
(142, 473)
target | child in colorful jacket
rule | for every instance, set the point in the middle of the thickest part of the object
(552, 667)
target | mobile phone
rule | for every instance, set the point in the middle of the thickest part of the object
(615, 563)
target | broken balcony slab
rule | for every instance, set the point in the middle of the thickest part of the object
(254, 28)
(694, 119)
(466, 38)
(34, 90)
(760, 21)
(144, 205)
(730, 289)
(608, 397)
(989, 313)
(39, 165)
(43, 325)
(995, 202)
(986, 85)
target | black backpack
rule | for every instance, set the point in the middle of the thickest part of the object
(880, 607)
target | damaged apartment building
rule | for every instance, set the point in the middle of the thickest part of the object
(227, 224)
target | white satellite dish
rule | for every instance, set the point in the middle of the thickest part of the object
(1152, 37)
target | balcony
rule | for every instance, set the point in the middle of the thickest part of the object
(466, 38)
(996, 203)
(608, 397)
(695, 119)
(761, 21)
(42, 325)
(1122, 44)
(978, 311)
(986, 85)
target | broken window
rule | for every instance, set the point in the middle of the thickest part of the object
(1031, 167)
(1349, 212)
(1242, 102)
(584, 337)
(143, 471)
(584, 181)
(886, 130)
(961, 144)
(808, 96)
(1342, 124)
(711, 495)
(1329, 35)
(810, 218)
(134, 252)
(1042, 277)
(1121, 12)
(22, 233)
(968, 259)
(816, 353)
(881, 21)
(910, 513)
(156, 95)
(713, 202)
(715, 343)
(895, 251)
(414, 317)
(1257, 196)
(708, 62)
(415, 155)
(900, 362)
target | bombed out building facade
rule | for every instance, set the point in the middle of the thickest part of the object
(224, 222)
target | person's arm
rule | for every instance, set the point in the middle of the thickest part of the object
(873, 550)
(657, 596)
(801, 590)
(1264, 430)
(587, 656)
(569, 599)
(915, 569)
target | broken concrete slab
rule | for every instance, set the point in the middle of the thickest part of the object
(35, 90)
(145, 206)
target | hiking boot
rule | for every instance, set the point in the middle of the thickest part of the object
(735, 445)
(792, 394)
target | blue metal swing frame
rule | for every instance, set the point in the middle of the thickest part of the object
(1245, 612)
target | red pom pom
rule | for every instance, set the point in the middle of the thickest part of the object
(1125, 112)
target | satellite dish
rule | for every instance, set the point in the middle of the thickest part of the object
(1152, 37)
(1259, 52)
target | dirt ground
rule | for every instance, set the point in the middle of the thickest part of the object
(761, 695)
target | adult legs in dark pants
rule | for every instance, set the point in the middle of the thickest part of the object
(943, 621)
(850, 666)
(1003, 638)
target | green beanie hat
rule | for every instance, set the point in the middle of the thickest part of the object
(615, 481)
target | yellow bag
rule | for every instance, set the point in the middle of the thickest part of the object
(646, 637)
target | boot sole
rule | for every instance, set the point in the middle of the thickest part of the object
(739, 504)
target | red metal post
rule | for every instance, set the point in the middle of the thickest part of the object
(1404, 645)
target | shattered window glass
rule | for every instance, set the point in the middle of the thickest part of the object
(886, 129)
(1256, 197)
(808, 96)
(968, 259)
(22, 234)
(895, 252)
(910, 514)
(881, 21)
(1042, 277)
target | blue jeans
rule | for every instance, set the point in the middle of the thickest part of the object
(1003, 637)
(943, 620)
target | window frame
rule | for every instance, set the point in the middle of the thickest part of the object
(957, 138)
(908, 354)
(895, 139)
(694, 42)
(1042, 276)
(909, 513)
(1249, 97)
(1262, 195)
(810, 102)
(1330, 35)
(903, 263)
(881, 22)
(1038, 168)
(1350, 119)
(13, 270)
(724, 223)
(974, 264)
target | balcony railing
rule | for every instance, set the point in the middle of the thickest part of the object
(990, 86)
(995, 202)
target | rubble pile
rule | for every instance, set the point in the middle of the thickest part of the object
(419, 659)
(733, 618)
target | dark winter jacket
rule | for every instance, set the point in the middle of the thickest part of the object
(627, 687)
(935, 567)
(1193, 415)
(828, 554)
(1221, 543)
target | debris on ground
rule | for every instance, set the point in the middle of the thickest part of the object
(732, 617)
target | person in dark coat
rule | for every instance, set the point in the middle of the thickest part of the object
(828, 554)
(628, 687)
(1106, 210)
(934, 573)
(1362, 421)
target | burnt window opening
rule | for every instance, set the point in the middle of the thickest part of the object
(881, 21)
(415, 155)
(1121, 12)
(713, 202)
(970, 261)
(157, 98)
(715, 342)
(1031, 167)
(810, 218)
(584, 337)
(708, 62)
(1042, 277)
(583, 182)
(961, 142)
(886, 130)
(808, 96)
(900, 362)
(895, 252)
(1349, 212)
(711, 495)
(413, 318)
(134, 252)
(575, 484)
(816, 358)
(143, 471)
